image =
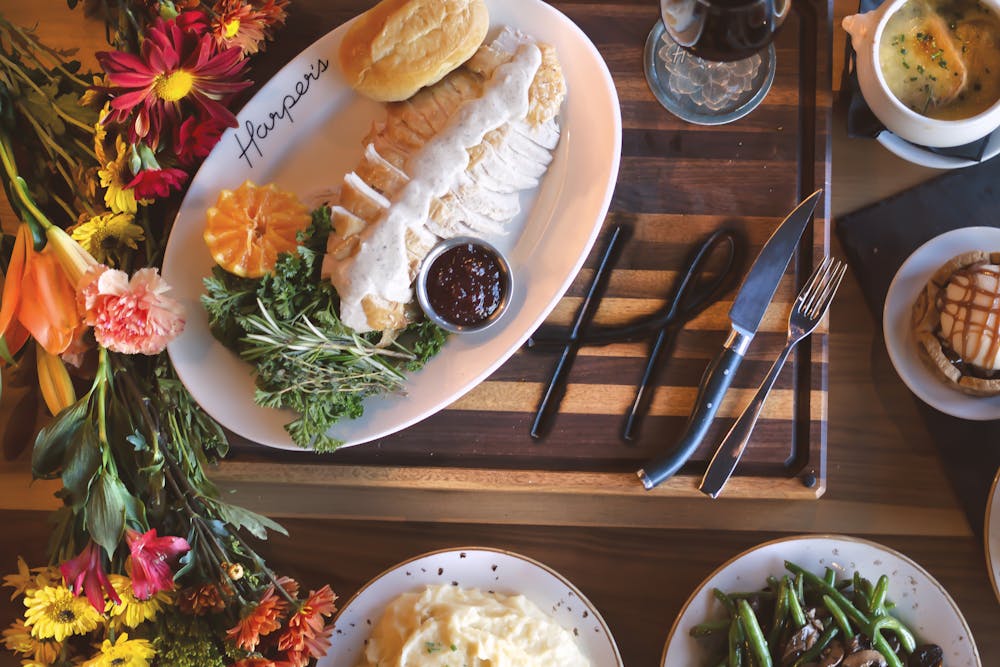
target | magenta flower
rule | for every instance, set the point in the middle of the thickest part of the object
(173, 68)
(130, 316)
(195, 138)
(85, 574)
(157, 183)
(149, 564)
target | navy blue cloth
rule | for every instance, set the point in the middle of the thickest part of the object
(861, 122)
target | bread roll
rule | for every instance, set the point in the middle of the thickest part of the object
(399, 46)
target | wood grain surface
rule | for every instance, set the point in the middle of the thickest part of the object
(885, 478)
(669, 196)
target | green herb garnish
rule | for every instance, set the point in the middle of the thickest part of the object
(305, 359)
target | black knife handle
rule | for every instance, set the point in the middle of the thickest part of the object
(714, 383)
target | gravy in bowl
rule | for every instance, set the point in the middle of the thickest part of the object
(941, 58)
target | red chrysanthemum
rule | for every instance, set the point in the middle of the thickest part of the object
(85, 574)
(195, 139)
(157, 183)
(172, 69)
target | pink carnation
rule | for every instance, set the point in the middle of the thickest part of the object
(130, 316)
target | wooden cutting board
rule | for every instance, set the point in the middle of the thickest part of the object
(677, 183)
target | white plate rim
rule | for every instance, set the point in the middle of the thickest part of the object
(991, 528)
(266, 430)
(910, 278)
(593, 610)
(820, 537)
(912, 153)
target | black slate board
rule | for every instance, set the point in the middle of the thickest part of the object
(877, 240)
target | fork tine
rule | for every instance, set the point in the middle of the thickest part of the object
(814, 286)
(811, 285)
(836, 275)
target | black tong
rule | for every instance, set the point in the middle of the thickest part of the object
(695, 290)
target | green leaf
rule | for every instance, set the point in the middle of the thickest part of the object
(105, 514)
(83, 459)
(39, 107)
(256, 524)
(53, 440)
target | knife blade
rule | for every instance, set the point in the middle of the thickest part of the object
(748, 309)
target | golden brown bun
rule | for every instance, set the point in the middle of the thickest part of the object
(399, 46)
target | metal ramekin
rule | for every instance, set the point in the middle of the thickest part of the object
(421, 285)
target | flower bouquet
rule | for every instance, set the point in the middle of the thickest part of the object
(149, 565)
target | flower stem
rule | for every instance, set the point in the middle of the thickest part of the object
(55, 107)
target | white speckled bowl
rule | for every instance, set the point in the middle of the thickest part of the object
(866, 33)
(473, 567)
(921, 602)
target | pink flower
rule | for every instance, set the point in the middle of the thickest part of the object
(85, 573)
(130, 316)
(157, 183)
(195, 139)
(148, 564)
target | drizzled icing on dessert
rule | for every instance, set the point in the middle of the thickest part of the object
(970, 319)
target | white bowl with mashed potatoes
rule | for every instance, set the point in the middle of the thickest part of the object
(467, 606)
(928, 68)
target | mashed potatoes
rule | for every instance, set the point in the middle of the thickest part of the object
(453, 626)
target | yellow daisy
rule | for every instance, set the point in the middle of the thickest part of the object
(115, 176)
(124, 652)
(101, 134)
(26, 580)
(21, 581)
(55, 613)
(108, 236)
(133, 611)
(17, 638)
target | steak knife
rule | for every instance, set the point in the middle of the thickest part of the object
(748, 308)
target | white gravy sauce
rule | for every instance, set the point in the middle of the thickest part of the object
(380, 266)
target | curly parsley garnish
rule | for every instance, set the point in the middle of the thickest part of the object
(304, 358)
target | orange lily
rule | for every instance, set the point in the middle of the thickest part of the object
(38, 299)
(13, 332)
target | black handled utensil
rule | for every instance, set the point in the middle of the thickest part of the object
(692, 295)
(745, 315)
(557, 384)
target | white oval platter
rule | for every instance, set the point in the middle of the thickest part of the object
(303, 131)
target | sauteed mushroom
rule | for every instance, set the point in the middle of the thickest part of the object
(928, 655)
(832, 655)
(866, 658)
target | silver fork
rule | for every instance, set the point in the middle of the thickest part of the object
(810, 307)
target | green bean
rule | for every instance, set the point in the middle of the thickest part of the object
(839, 597)
(755, 636)
(726, 601)
(892, 623)
(709, 628)
(824, 640)
(830, 577)
(780, 612)
(795, 608)
(862, 594)
(800, 588)
(838, 615)
(736, 640)
(882, 646)
(878, 596)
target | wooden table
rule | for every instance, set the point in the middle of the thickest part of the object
(885, 478)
